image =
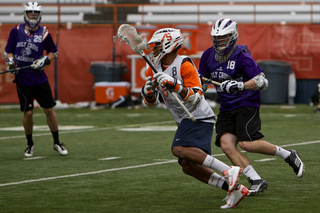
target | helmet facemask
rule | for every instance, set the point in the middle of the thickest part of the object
(154, 49)
(34, 8)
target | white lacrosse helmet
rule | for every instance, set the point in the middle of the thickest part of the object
(32, 7)
(224, 27)
(169, 40)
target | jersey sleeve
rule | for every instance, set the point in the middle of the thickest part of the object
(190, 76)
(250, 67)
(48, 43)
(10, 47)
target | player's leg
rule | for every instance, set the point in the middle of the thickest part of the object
(250, 140)
(44, 97)
(204, 174)
(209, 177)
(26, 106)
(228, 143)
(27, 121)
(193, 143)
(227, 131)
(52, 120)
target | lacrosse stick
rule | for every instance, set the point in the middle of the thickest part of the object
(16, 69)
(210, 81)
(129, 35)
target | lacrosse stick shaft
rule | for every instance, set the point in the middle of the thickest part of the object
(210, 81)
(16, 69)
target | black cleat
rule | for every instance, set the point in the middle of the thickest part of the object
(295, 162)
(257, 186)
(29, 151)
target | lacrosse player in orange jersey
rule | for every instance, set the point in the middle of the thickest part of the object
(192, 141)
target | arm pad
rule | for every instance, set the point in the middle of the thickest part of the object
(192, 97)
(261, 82)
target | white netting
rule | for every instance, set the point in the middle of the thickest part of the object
(129, 35)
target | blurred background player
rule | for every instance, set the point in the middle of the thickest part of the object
(25, 46)
(192, 141)
(238, 121)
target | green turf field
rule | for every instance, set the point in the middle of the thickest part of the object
(119, 163)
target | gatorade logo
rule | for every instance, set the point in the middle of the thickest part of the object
(110, 93)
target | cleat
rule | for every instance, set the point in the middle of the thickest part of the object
(234, 198)
(29, 151)
(257, 186)
(232, 176)
(59, 148)
(295, 162)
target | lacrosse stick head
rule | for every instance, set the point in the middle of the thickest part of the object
(129, 35)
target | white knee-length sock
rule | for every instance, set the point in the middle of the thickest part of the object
(216, 164)
(216, 180)
(251, 173)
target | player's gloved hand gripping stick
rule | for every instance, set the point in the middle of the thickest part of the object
(38, 64)
(129, 35)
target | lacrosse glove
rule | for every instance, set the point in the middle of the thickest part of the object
(167, 81)
(232, 86)
(40, 63)
(11, 64)
(149, 87)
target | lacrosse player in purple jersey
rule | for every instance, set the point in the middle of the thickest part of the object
(238, 121)
(191, 145)
(26, 44)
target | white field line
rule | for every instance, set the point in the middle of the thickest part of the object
(111, 158)
(34, 158)
(88, 173)
(125, 168)
(87, 130)
(265, 159)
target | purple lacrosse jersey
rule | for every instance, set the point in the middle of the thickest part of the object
(240, 65)
(28, 46)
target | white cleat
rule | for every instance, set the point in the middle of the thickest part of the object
(234, 198)
(232, 176)
(59, 148)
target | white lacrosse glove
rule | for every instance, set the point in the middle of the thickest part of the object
(149, 87)
(167, 81)
(11, 64)
(232, 86)
(40, 63)
(149, 94)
